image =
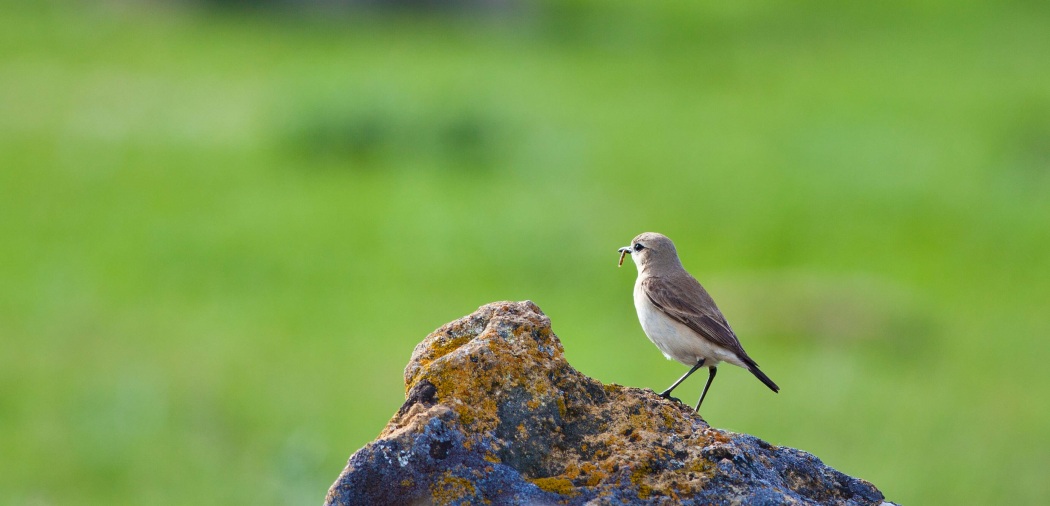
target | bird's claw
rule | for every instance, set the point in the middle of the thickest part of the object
(667, 395)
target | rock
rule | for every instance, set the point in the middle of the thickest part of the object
(495, 415)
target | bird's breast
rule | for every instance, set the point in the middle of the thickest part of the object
(674, 339)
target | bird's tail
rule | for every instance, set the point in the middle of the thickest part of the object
(763, 378)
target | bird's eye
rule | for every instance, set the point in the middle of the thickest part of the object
(638, 247)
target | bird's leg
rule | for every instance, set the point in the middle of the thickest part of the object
(666, 394)
(710, 378)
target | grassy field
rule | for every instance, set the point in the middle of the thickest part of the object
(224, 231)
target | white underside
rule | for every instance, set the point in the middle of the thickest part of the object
(674, 339)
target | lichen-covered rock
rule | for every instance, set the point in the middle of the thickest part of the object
(495, 415)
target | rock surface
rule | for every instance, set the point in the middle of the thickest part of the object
(495, 415)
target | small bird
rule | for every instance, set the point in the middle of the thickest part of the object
(679, 316)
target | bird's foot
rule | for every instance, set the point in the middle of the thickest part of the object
(666, 394)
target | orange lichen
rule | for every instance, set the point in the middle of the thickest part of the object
(594, 475)
(571, 472)
(557, 485)
(668, 418)
(439, 347)
(639, 472)
(699, 466)
(450, 488)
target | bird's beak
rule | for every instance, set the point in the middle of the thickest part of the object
(625, 249)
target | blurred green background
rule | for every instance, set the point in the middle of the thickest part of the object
(225, 227)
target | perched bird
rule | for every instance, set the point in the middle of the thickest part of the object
(679, 316)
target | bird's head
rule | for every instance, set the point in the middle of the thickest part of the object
(650, 249)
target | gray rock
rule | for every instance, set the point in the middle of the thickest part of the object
(495, 415)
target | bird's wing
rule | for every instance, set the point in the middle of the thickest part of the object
(687, 302)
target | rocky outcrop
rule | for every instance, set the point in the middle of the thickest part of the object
(495, 415)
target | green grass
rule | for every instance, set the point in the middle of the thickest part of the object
(225, 231)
